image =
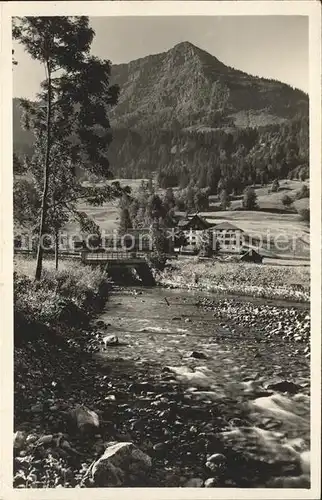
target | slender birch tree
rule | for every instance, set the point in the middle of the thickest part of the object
(69, 118)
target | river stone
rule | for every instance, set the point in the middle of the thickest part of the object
(217, 462)
(122, 464)
(110, 340)
(39, 408)
(47, 439)
(31, 438)
(196, 354)
(211, 482)
(86, 420)
(283, 386)
(19, 439)
(160, 447)
(194, 482)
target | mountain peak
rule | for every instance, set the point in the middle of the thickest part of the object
(184, 53)
(184, 48)
(199, 90)
(184, 45)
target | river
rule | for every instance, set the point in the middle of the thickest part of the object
(166, 338)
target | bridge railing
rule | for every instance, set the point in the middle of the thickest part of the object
(62, 253)
(109, 255)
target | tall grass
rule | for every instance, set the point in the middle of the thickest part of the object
(64, 298)
(255, 280)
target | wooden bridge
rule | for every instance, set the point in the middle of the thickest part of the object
(120, 258)
(114, 261)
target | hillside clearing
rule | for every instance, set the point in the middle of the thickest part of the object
(282, 234)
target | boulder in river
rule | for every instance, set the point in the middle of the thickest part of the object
(283, 386)
(85, 419)
(121, 465)
(196, 354)
(110, 340)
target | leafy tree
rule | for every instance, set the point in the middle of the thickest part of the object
(304, 192)
(304, 213)
(26, 202)
(189, 198)
(287, 200)
(202, 178)
(71, 107)
(125, 201)
(89, 228)
(205, 245)
(275, 186)
(200, 199)
(224, 199)
(180, 203)
(263, 177)
(249, 199)
(169, 199)
(150, 185)
(18, 165)
(184, 179)
(125, 221)
(155, 207)
(133, 210)
(304, 173)
(160, 243)
(180, 239)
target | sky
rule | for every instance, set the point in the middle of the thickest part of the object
(266, 46)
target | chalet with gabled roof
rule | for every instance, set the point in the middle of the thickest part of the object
(229, 237)
(193, 226)
(194, 222)
(224, 235)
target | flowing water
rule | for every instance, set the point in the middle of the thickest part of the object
(166, 333)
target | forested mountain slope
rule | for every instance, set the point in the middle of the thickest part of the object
(186, 116)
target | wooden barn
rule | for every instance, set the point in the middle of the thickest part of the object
(250, 255)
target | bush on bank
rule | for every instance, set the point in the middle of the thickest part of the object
(61, 299)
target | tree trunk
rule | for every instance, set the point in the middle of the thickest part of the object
(56, 249)
(43, 214)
